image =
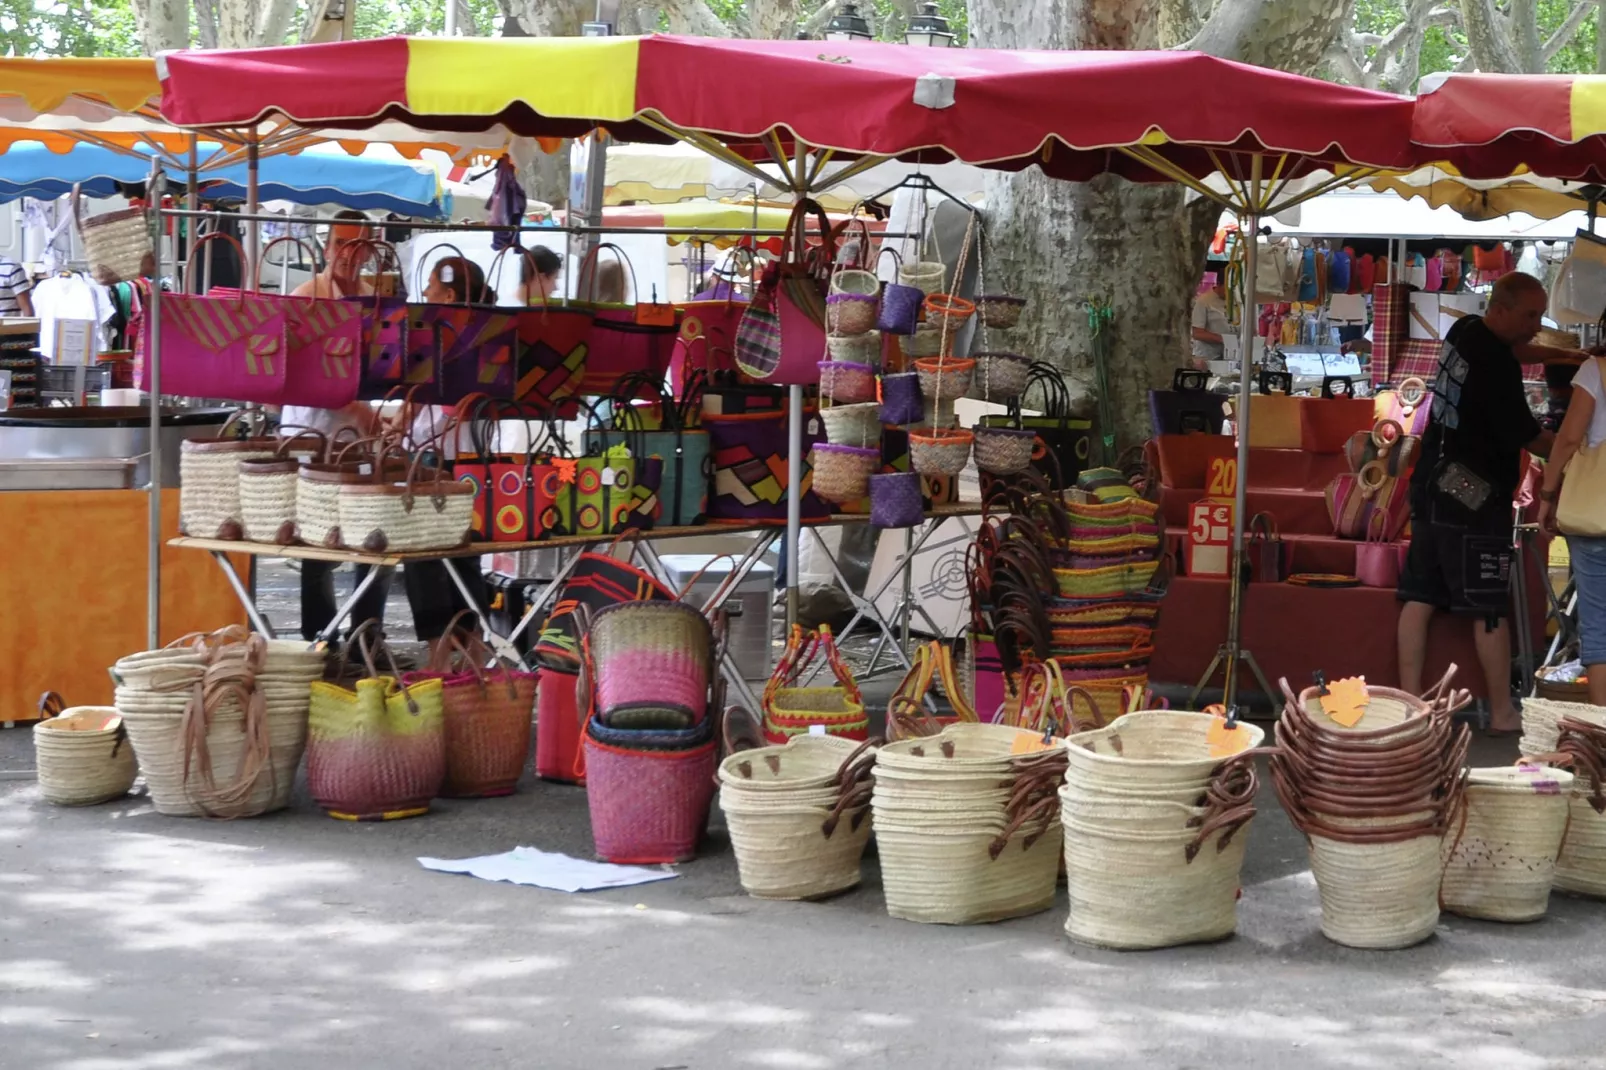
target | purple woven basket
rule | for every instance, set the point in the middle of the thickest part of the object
(900, 308)
(648, 807)
(896, 500)
(901, 401)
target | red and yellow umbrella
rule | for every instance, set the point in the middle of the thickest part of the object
(1150, 116)
(1486, 126)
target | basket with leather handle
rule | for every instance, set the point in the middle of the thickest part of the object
(82, 753)
(117, 244)
(268, 487)
(209, 477)
(418, 512)
(792, 708)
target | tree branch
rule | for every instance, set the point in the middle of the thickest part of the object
(1568, 29)
(1489, 38)
(1341, 58)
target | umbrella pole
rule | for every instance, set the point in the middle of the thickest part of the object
(1233, 654)
(253, 236)
(153, 353)
(192, 201)
(794, 455)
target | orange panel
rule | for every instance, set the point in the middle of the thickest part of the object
(72, 581)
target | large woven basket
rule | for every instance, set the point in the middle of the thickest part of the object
(487, 718)
(945, 873)
(1378, 896)
(117, 244)
(1501, 855)
(416, 513)
(83, 756)
(842, 473)
(1581, 865)
(377, 752)
(648, 807)
(1139, 888)
(798, 816)
(1149, 750)
(209, 484)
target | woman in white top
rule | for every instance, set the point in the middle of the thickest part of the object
(1584, 426)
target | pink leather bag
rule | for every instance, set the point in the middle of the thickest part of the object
(796, 284)
(1377, 560)
(323, 369)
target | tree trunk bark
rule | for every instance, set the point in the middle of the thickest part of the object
(162, 24)
(1525, 22)
(1488, 41)
(1600, 40)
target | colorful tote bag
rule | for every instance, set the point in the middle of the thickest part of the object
(749, 452)
(706, 342)
(233, 346)
(551, 349)
(325, 365)
(387, 362)
(625, 338)
(472, 349)
(782, 337)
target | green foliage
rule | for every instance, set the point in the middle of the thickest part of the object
(68, 28)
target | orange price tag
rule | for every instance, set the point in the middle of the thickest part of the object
(566, 469)
(1224, 742)
(1030, 743)
(655, 315)
(1345, 701)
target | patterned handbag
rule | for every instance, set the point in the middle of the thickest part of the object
(595, 491)
(1353, 499)
(596, 581)
(749, 453)
(787, 351)
(682, 493)
(232, 346)
(550, 344)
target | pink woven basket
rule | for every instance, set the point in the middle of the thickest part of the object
(648, 807)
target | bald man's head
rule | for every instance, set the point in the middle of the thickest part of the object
(1516, 308)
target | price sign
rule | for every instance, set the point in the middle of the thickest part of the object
(1209, 550)
(1223, 478)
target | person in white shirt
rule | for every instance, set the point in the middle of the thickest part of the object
(1210, 324)
(344, 254)
(14, 290)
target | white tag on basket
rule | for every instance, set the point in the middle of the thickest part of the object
(814, 426)
(607, 477)
(816, 730)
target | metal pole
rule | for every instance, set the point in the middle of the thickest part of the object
(192, 201)
(794, 464)
(1249, 228)
(153, 354)
(253, 235)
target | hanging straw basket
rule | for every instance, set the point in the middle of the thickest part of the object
(1000, 377)
(1002, 450)
(83, 756)
(896, 500)
(1501, 856)
(853, 425)
(117, 244)
(945, 377)
(847, 382)
(850, 313)
(856, 348)
(948, 310)
(927, 341)
(924, 275)
(1001, 311)
(842, 473)
(936, 451)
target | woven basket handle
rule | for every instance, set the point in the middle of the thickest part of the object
(50, 704)
(741, 730)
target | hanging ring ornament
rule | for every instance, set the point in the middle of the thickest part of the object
(1411, 392)
(1371, 478)
(1385, 433)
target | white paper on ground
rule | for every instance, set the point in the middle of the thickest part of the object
(559, 872)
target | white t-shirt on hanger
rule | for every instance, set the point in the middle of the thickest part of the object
(70, 297)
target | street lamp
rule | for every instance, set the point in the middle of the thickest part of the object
(927, 27)
(847, 25)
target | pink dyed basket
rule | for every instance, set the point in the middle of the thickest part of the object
(650, 656)
(648, 807)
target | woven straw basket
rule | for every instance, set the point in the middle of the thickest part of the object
(853, 425)
(1000, 311)
(1003, 450)
(268, 490)
(798, 830)
(927, 341)
(939, 451)
(209, 484)
(842, 473)
(1502, 857)
(1000, 377)
(244, 761)
(1378, 896)
(862, 348)
(946, 377)
(924, 275)
(1137, 888)
(117, 244)
(1581, 865)
(429, 513)
(847, 381)
(83, 756)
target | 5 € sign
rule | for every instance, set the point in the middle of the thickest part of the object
(1209, 537)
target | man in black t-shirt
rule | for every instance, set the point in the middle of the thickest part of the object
(1462, 490)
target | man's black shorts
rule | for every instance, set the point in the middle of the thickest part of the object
(1461, 568)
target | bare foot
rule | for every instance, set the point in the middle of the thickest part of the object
(1509, 725)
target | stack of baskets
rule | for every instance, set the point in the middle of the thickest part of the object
(1501, 858)
(268, 488)
(1374, 799)
(799, 815)
(209, 477)
(1156, 818)
(649, 747)
(1576, 735)
(230, 746)
(966, 823)
(82, 753)
(793, 707)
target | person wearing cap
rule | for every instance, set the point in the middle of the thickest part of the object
(341, 277)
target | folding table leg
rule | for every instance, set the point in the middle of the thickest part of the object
(345, 609)
(500, 645)
(546, 596)
(250, 604)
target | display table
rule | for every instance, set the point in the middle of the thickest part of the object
(74, 589)
(639, 546)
